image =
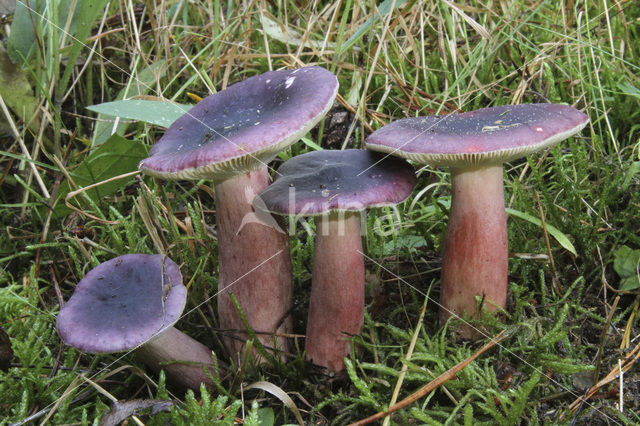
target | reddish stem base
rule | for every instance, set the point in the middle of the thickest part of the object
(336, 307)
(475, 258)
(254, 265)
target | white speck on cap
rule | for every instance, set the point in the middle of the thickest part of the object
(241, 128)
(475, 138)
(289, 82)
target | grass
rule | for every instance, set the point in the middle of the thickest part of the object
(406, 58)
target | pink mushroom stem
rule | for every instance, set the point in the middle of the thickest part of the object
(180, 356)
(254, 265)
(475, 258)
(336, 307)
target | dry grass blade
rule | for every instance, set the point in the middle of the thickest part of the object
(72, 386)
(603, 337)
(403, 371)
(626, 337)
(474, 24)
(281, 395)
(72, 194)
(618, 370)
(444, 377)
(24, 149)
(104, 392)
(555, 279)
(149, 219)
(287, 35)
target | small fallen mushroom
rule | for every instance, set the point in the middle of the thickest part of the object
(230, 137)
(130, 303)
(335, 186)
(475, 145)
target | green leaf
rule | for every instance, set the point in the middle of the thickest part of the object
(628, 89)
(29, 21)
(115, 157)
(552, 230)
(22, 38)
(139, 84)
(7, 7)
(634, 169)
(84, 16)
(266, 416)
(280, 394)
(32, 18)
(411, 242)
(383, 9)
(15, 88)
(287, 35)
(626, 263)
(311, 144)
(160, 113)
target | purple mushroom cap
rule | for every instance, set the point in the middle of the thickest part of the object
(318, 182)
(485, 136)
(123, 303)
(244, 126)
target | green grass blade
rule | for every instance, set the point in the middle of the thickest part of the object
(552, 230)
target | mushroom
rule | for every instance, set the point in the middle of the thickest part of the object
(230, 137)
(131, 302)
(475, 145)
(334, 186)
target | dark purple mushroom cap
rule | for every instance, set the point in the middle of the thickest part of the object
(123, 303)
(241, 128)
(319, 182)
(485, 136)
